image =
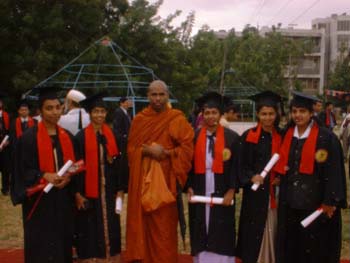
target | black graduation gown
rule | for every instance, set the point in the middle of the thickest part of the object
(13, 132)
(90, 225)
(5, 160)
(14, 139)
(254, 158)
(302, 194)
(48, 233)
(221, 235)
(323, 116)
(121, 127)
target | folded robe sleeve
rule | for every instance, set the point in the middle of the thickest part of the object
(247, 159)
(334, 178)
(181, 155)
(26, 170)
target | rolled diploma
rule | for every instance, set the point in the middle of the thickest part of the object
(118, 205)
(61, 172)
(4, 141)
(207, 200)
(267, 169)
(308, 220)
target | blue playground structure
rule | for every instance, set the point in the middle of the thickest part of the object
(103, 66)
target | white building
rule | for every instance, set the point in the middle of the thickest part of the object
(311, 69)
(337, 30)
(330, 37)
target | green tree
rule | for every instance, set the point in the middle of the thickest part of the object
(261, 61)
(339, 79)
(39, 37)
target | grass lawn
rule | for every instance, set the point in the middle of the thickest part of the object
(11, 231)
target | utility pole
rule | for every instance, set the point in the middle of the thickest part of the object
(222, 79)
(290, 88)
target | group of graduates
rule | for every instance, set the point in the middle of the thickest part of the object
(212, 161)
(309, 175)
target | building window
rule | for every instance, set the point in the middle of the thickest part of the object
(315, 84)
(310, 84)
(343, 42)
(343, 25)
(321, 25)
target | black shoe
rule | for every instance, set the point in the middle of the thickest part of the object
(4, 192)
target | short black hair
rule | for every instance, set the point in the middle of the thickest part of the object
(317, 101)
(231, 107)
(328, 103)
(123, 99)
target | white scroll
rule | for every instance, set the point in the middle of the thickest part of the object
(267, 169)
(207, 200)
(6, 138)
(61, 172)
(118, 205)
(311, 218)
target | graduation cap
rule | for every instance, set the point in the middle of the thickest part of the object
(23, 103)
(75, 95)
(301, 100)
(93, 101)
(3, 94)
(47, 93)
(266, 98)
(213, 99)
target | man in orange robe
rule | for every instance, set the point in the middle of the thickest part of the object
(162, 134)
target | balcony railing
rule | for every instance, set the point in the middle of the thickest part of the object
(308, 71)
(301, 71)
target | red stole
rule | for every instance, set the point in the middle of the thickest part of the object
(92, 158)
(307, 155)
(19, 125)
(200, 151)
(253, 137)
(6, 118)
(328, 118)
(329, 114)
(45, 150)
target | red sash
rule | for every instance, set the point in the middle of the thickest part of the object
(19, 126)
(92, 158)
(253, 137)
(200, 151)
(6, 118)
(45, 150)
(328, 118)
(307, 155)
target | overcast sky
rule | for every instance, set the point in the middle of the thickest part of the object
(227, 14)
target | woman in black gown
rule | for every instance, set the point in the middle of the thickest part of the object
(98, 224)
(257, 225)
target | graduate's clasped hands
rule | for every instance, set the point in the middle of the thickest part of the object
(155, 151)
(228, 197)
(258, 179)
(57, 181)
(328, 210)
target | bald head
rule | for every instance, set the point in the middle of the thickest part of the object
(158, 95)
(158, 83)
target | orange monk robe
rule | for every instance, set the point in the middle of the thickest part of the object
(152, 237)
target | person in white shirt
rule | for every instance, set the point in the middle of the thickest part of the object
(344, 132)
(230, 115)
(76, 118)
